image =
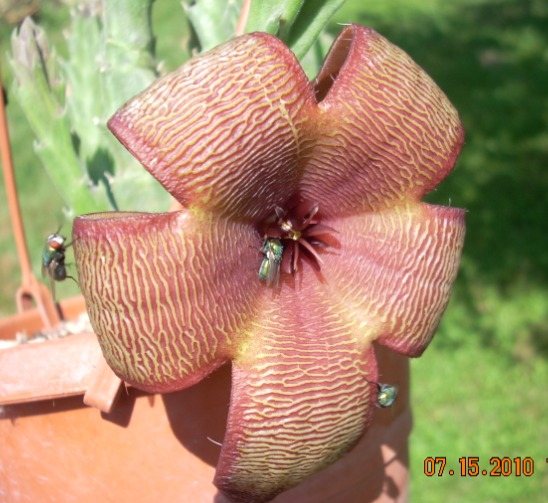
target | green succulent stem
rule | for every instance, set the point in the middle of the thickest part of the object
(128, 50)
(297, 22)
(39, 90)
(68, 102)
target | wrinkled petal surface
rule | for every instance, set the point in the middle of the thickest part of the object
(223, 132)
(386, 132)
(300, 397)
(402, 264)
(167, 294)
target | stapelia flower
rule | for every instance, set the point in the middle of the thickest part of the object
(329, 173)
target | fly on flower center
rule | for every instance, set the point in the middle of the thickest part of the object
(290, 234)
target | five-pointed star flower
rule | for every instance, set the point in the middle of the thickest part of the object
(328, 173)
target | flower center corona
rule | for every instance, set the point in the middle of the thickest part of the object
(289, 234)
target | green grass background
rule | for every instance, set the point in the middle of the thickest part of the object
(480, 388)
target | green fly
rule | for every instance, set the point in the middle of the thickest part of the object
(53, 260)
(269, 271)
(386, 395)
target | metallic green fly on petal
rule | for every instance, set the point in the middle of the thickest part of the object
(387, 395)
(269, 271)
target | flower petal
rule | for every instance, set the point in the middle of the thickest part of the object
(167, 294)
(386, 132)
(393, 272)
(223, 131)
(300, 394)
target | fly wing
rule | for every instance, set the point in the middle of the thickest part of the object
(48, 271)
(273, 277)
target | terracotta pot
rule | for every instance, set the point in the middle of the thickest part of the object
(152, 448)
